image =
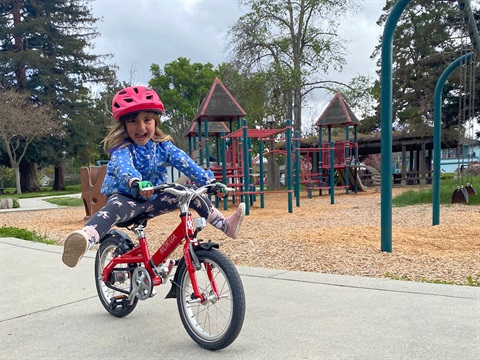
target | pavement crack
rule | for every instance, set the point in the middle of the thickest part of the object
(48, 309)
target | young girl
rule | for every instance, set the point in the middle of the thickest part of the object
(139, 152)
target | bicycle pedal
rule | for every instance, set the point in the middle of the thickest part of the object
(118, 301)
(153, 293)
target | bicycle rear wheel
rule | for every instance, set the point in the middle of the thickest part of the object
(215, 323)
(114, 295)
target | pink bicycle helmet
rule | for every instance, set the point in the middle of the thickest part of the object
(135, 99)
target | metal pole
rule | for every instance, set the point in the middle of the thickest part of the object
(437, 133)
(200, 152)
(288, 168)
(297, 167)
(355, 156)
(207, 145)
(246, 172)
(466, 8)
(224, 168)
(332, 173)
(386, 123)
(262, 174)
(347, 156)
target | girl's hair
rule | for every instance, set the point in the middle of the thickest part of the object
(118, 137)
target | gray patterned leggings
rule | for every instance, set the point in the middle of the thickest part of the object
(120, 208)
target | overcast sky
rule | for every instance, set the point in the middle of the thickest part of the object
(140, 33)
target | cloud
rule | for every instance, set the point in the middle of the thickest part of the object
(140, 33)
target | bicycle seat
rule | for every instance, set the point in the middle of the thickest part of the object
(142, 218)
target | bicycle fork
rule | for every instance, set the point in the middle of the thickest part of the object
(193, 265)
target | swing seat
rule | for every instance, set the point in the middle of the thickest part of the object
(460, 196)
(471, 189)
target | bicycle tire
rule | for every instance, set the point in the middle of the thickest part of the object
(213, 325)
(115, 302)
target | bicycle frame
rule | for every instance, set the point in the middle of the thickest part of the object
(185, 232)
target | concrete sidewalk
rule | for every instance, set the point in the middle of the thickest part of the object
(38, 203)
(49, 311)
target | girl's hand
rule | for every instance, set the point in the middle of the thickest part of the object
(220, 190)
(142, 188)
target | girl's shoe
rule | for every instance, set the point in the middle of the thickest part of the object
(75, 246)
(233, 222)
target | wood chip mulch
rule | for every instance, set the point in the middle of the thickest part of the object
(343, 238)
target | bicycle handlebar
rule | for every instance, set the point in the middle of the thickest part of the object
(173, 189)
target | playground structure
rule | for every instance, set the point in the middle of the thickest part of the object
(236, 167)
(341, 156)
(331, 166)
(91, 180)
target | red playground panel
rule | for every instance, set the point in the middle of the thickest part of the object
(340, 154)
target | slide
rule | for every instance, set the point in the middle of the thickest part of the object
(351, 179)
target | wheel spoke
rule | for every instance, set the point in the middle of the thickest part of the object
(216, 321)
(114, 294)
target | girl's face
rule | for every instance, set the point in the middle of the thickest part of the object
(142, 128)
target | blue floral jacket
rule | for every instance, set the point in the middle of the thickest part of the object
(148, 163)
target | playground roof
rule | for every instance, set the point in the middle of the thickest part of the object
(219, 105)
(255, 133)
(214, 128)
(337, 114)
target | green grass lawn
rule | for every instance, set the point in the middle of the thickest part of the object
(44, 191)
(447, 187)
(65, 201)
(9, 231)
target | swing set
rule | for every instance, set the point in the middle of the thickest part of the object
(466, 114)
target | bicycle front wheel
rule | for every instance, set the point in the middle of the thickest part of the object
(215, 322)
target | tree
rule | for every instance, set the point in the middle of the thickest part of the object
(249, 90)
(181, 87)
(21, 121)
(45, 50)
(429, 36)
(295, 40)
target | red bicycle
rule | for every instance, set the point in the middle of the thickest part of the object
(209, 291)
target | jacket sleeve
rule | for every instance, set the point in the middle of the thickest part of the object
(122, 168)
(182, 162)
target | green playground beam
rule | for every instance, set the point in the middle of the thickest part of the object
(386, 124)
(224, 167)
(347, 156)
(332, 171)
(199, 135)
(288, 168)
(297, 167)
(207, 145)
(437, 133)
(246, 172)
(262, 173)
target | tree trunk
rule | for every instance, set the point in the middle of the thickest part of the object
(59, 183)
(297, 110)
(28, 177)
(16, 169)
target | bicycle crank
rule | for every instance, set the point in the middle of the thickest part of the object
(142, 285)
